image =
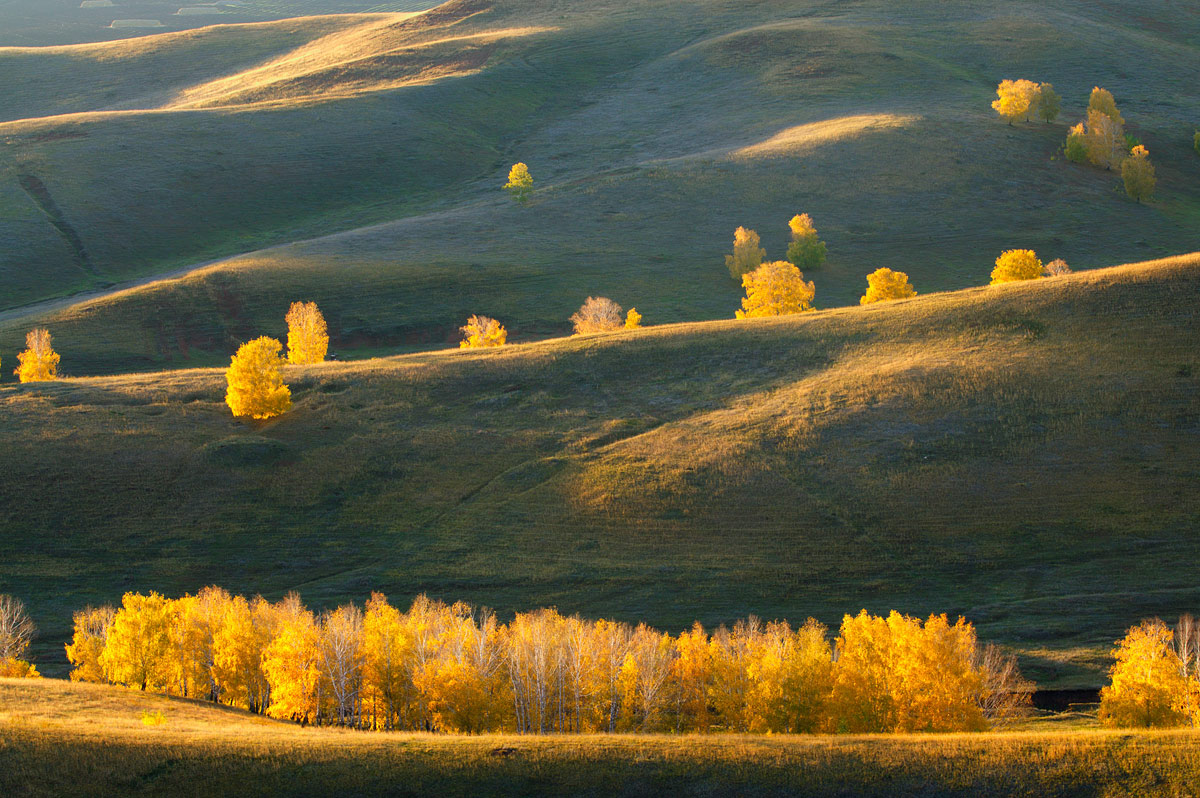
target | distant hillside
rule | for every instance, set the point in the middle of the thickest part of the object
(653, 129)
(1026, 455)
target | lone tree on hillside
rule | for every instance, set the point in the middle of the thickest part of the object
(1016, 99)
(1056, 268)
(598, 314)
(39, 361)
(884, 285)
(633, 319)
(747, 254)
(1138, 174)
(308, 337)
(520, 183)
(482, 331)
(1016, 264)
(1049, 102)
(16, 628)
(776, 288)
(255, 381)
(806, 251)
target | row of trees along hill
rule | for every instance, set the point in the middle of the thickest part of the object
(1100, 139)
(454, 668)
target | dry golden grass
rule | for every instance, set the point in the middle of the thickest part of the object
(60, 739)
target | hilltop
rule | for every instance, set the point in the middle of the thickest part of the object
(355, 160)
(1025, 455)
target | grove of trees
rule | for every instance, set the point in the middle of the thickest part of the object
(455, 668)
(1155, 680)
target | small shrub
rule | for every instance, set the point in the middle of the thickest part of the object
(13, 668)
(482, 331)
(1056, 268)
(1016, 264)
(156, 718)
(598, 314)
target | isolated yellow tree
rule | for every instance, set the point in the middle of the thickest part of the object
(87, 644)
(747, 254)
(1102, 100)
(1016, 264)
(1049, 102)
(806, 250)
(1138, 174)
(885, 284)
(597, 314)
(39, 361)
(308, 336)
(1015, 99)
(520, 183)
(255, 381)
(775, 288)
(1148, 686)
(482, 331)
(633, 319)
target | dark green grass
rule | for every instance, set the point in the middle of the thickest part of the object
(1024, 455)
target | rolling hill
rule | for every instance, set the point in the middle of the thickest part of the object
(1025, 455)
(355, 160)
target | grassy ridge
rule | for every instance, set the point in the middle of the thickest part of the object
(1025, 455)
(66, 739)
(645, 127)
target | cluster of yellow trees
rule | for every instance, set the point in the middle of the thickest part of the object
(457, 669)
(1019, 100)
(1015, 265)
(255, 374)
(1156, 678)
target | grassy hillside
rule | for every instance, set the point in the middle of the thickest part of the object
(62, 739)
(1026, 455)
(653, 129)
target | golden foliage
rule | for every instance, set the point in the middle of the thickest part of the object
(1056, 268)
(138, 650)
(1148, 686)
(1101, 100)
(39, 361)
(482, 331)
(1076, 147)
(747, 254)
(520, 183)
(308, 336)
(884, 285)
(1138, 174)
(597, 314)
(775, 288)
(633, 319)
(1016, 99)
(806, 250)
(13, 668)
(255, 382)
(91, 635)
(1104, 140)
(1016, 264)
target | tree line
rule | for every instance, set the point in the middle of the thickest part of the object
(455, 668)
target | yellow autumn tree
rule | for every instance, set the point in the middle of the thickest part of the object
(1016, 264)
(138, 650)
(290, 664)
(597, 314)
(1049, 102)
(1076, 148)
(885, 284)
(13, 668)
(1138, 174)
(388, 656)
(482, 331)
(633, 319)
(255, 380)
(308, 335)
(775, 288)
(87, 644)
(1101, 100)
(245, 630)
(692, 675)
(806, 250)
(520, 183)
(1148, 687)
(1016, 99)
(747, 254)
(936, 684)
(39, 361)
(1104, 140)
(862, 695)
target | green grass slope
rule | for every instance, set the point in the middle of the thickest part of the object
(1025, 455)
(62, 739)
(654, 129)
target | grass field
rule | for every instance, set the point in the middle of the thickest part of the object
(62, 739)
(1025, 455)
(653, 130)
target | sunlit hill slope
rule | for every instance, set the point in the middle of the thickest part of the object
(1026, 455)
(370, 149)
